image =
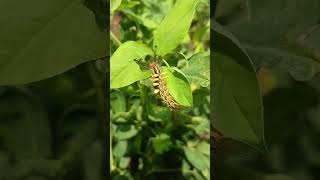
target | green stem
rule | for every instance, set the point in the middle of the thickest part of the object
(112, 165)
(115, 39)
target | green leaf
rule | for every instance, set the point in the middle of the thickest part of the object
(204, 147)
(301, 68)
(237, 104)
(175, 26)
(123, 69)
(123, 132)
(120, 149)
(198, 69)
(178, 86)
(161, 143)
(124, 162)
(114, 4)
(291, 48)
(140, 19)
(24, 126)
(46, 38)
(118, 101)
(159, 113)
(197, 159)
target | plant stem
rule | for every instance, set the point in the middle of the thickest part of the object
(115, 39)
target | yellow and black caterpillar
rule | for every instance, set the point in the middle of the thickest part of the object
(161, 87)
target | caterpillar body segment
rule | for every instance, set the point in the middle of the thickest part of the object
(161, 87)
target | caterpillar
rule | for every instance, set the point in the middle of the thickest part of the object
(161, 87)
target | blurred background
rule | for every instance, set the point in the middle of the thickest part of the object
(282, 39)
(52, 129)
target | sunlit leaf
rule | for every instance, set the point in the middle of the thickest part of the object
(123, 69)
(175, 26)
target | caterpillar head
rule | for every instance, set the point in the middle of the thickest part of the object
(153, 65)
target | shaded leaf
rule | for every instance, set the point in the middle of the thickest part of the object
(123, 132)
(24, 130)
(45, 38)
(161, 143)
(237, 104)
(118, 101)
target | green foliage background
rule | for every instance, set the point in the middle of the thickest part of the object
(275, 44)
(149, 141)
(53, 90)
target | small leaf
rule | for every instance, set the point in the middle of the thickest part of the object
(175, 26)
(124, 162)
(114, 4)
(159, 113)
(123, 132)
(118, 101)
(120, 149)
(197, 159)
(178, 86)
(161, 143)
(123, 69)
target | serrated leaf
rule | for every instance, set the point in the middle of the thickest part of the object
(123, 69)
(175, 26)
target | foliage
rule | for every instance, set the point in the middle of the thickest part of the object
(150, 141)
(280, 40)
(52, 89)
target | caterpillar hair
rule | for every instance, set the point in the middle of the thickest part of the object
(160, 85)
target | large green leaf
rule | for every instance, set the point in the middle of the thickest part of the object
(178, 86)
(175, 26)
(237, 104)
(40, 39)
(123, 69)
(198, 69)
(277, 34)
